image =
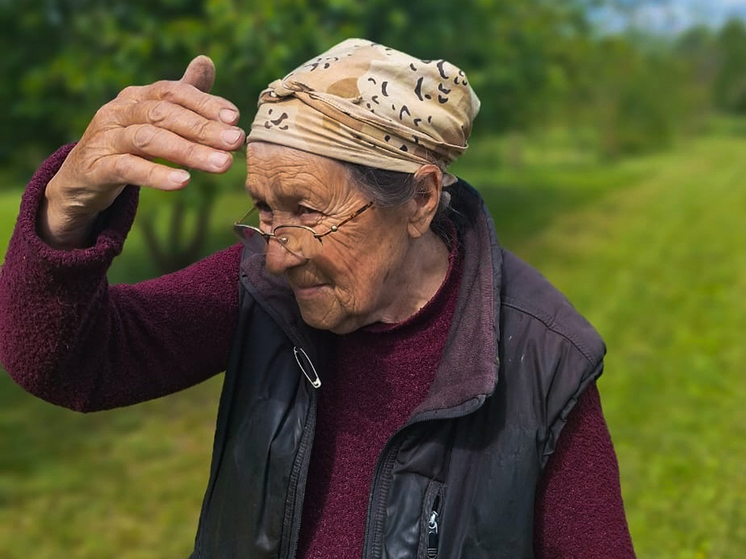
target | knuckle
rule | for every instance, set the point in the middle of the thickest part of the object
(152, 175)
(143, 136)
(191, 152)
(103, 113)
(120, 168)
(166, 90)
(205, 103)
(116, 105)
(130, 92)
(200, 129)
(157, 112)
(116, 112)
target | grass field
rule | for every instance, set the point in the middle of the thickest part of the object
(650, 249)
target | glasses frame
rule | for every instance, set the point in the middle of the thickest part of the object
(239, 227)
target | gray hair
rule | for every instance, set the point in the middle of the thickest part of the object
(391, 188)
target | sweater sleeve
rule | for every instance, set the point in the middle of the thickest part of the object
(579, 510)
(69, 338)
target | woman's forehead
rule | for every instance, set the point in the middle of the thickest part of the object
(280, 171)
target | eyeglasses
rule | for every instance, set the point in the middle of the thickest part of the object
(296, 239)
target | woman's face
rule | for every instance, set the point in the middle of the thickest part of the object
(360, 276)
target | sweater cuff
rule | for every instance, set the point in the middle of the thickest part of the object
(111, 226)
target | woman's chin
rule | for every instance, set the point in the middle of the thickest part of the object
(316, 312)
(326, 318)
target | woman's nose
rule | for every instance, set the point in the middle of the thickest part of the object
(280, 259)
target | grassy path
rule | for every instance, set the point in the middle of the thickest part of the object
(651, 250)
(660, 268)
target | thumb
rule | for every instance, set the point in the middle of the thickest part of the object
(200, 73)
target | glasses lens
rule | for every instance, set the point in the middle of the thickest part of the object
(250, 236)
(298, 240)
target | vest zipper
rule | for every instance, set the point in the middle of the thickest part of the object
(433, 533)
(299, 473)
(377, 498)
(381, 481)
(297, 486)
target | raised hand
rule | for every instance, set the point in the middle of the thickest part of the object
(177, 121)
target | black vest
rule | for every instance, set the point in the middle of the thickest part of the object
(460, 479)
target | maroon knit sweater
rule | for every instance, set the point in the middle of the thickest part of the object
(103, 347)
(382, 373)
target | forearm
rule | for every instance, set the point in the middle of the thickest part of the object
(70, 339)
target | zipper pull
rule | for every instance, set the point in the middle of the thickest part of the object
(432, 536)
(309, 370)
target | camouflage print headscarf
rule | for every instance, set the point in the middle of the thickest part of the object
(365, 103)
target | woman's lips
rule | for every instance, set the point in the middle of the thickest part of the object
(306, 291)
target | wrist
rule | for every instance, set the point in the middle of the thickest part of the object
(61, 225)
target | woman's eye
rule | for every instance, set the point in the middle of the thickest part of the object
(309, 216)
(265, 213)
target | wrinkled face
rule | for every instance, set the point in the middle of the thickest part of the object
(359, 277)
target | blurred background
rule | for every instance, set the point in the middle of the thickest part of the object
(610, 148)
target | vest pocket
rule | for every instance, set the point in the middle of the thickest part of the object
(430, 523)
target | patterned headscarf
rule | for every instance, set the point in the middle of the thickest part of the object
(365, 103)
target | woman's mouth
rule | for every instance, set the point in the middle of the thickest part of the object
(307, 291)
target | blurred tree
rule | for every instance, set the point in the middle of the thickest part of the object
(637, 98)
(514, 50)
(698, 46)
(730, 83)
(533, 62)
(20, 34)
(97, 47)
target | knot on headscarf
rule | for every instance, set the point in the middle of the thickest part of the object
(368, 104)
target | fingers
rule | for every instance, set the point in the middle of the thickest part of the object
(150, 142)
(176, 121)
(187, 124)
(200, 73)
(184, 95)
(131, 169)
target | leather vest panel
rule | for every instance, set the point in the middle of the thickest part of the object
(264, 406)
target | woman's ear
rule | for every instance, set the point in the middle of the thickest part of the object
(428, 182)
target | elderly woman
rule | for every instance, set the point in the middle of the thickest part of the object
(397, 385)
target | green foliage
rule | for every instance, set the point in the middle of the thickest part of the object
(512, 50)
(629, 101)
(534, 63)
(539, 63)
(94, 48)
(730, 85)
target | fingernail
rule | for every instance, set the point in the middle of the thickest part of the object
(218, 160)
(229, 116)
(230, 137)
(179, 177)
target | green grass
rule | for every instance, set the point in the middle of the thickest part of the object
(125, 483)
(660, 268)
(650, 249)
